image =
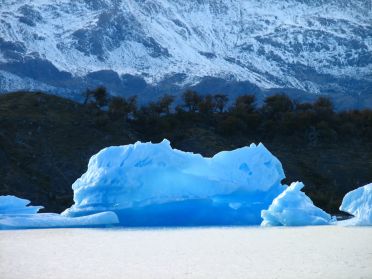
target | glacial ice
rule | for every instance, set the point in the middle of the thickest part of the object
(149, 184)
(359, 204)
(15, 214)
(53, 220)
(146, 184)
(294, 208)
(14, 205)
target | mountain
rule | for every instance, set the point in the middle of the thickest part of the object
(301, 47)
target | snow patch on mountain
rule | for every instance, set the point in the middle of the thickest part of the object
(306, 45)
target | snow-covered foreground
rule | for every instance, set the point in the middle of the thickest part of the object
(251, 252)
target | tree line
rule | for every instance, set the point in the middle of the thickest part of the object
(279, 116)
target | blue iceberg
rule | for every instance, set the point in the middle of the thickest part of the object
(53, 220)
(16, 214)
(146, 184)
(359, 204)
(149, 184)
(13, 205)
(294, 208)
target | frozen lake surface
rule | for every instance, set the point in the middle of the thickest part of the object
(245, 252)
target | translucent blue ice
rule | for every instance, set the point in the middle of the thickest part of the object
(149, 184)
(15, 214)
(294, 208)
(14, 205)
(52, 220)
(359, 204)
(145, 184)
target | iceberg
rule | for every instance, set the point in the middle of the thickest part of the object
(53, 220)
(15, 214)
(148, 184)
(359, 204)
(14, 205)
(294, 208)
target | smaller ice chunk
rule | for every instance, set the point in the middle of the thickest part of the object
(14, 205)
(53, 220)
(15, 214)
(293, 208)
(358, 203)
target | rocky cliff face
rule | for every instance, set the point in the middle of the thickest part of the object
(150, 47)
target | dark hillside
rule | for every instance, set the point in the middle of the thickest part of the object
(45, 144)
(46, 141)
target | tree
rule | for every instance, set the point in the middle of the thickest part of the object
(323, 103)
(302, 107)
(244, 104)
(277, 105)
(117, 107)
(100, 95)
(221, 101)
(88, 94)
(165, 103)
(132, 104)
(323, 108)
(230, 125)
(121, 107)
(207, 104)
(244, 109)
(191, 100)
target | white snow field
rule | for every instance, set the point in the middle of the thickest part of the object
(245, 252)
(255, 40)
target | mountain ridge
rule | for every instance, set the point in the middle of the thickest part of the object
(153, 47)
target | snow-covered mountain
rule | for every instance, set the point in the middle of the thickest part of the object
(150, 47)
